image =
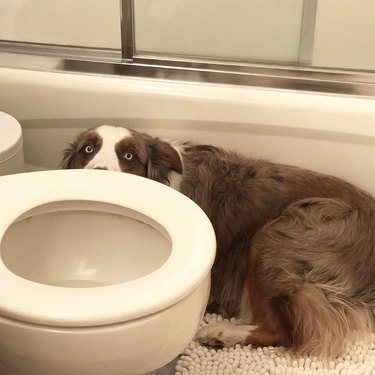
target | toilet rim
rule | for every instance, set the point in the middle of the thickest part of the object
(189, 264)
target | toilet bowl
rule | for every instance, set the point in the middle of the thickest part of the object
(100, 273)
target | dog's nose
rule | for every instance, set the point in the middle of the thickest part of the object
(103, 168)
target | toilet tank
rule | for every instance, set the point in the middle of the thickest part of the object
(11, 151)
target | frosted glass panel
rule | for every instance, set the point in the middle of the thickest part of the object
(228, 29)
(345, 34)
(87, 23)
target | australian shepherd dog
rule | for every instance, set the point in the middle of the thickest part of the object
(295, 249)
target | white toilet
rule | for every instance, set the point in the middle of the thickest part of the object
(11, 151)
(101, 273)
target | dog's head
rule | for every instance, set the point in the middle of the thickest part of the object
(124, 150)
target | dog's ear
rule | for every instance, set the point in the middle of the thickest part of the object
(68, 156)
(162, 160)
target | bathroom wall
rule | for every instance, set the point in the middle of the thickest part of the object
(89, 23)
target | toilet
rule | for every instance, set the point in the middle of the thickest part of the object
(101, 273)
(11, 150)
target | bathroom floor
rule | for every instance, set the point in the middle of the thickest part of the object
(168, 369)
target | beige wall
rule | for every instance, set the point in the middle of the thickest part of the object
(91, 23)
(345, 34)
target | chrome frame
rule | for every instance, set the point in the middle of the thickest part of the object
(306, 43)
(182, 68)
(127, 29)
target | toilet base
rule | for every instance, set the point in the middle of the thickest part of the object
(168, 369)
(15, 370)
(134, 347)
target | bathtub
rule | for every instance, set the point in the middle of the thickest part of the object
(322, 132)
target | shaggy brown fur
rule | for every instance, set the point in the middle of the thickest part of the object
(295, 248)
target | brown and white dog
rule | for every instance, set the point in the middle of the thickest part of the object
(295, 249)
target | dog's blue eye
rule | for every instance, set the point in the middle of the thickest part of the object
(89, 149)
(128, 156)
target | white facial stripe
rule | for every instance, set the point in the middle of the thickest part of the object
(106, 157)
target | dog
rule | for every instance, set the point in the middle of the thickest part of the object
(295, 248)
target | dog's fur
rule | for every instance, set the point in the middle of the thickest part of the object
(295, 248)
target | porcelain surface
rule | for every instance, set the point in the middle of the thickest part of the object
(97, 274)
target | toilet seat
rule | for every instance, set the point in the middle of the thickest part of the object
(190, 261)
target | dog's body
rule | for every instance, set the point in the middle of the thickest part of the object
(295, 249)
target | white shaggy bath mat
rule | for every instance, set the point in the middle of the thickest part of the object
(358, 359)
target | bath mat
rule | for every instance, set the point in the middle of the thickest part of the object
(358, 359)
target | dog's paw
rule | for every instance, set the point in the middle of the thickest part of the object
(224, 334)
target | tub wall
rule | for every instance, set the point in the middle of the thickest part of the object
(327, 133)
